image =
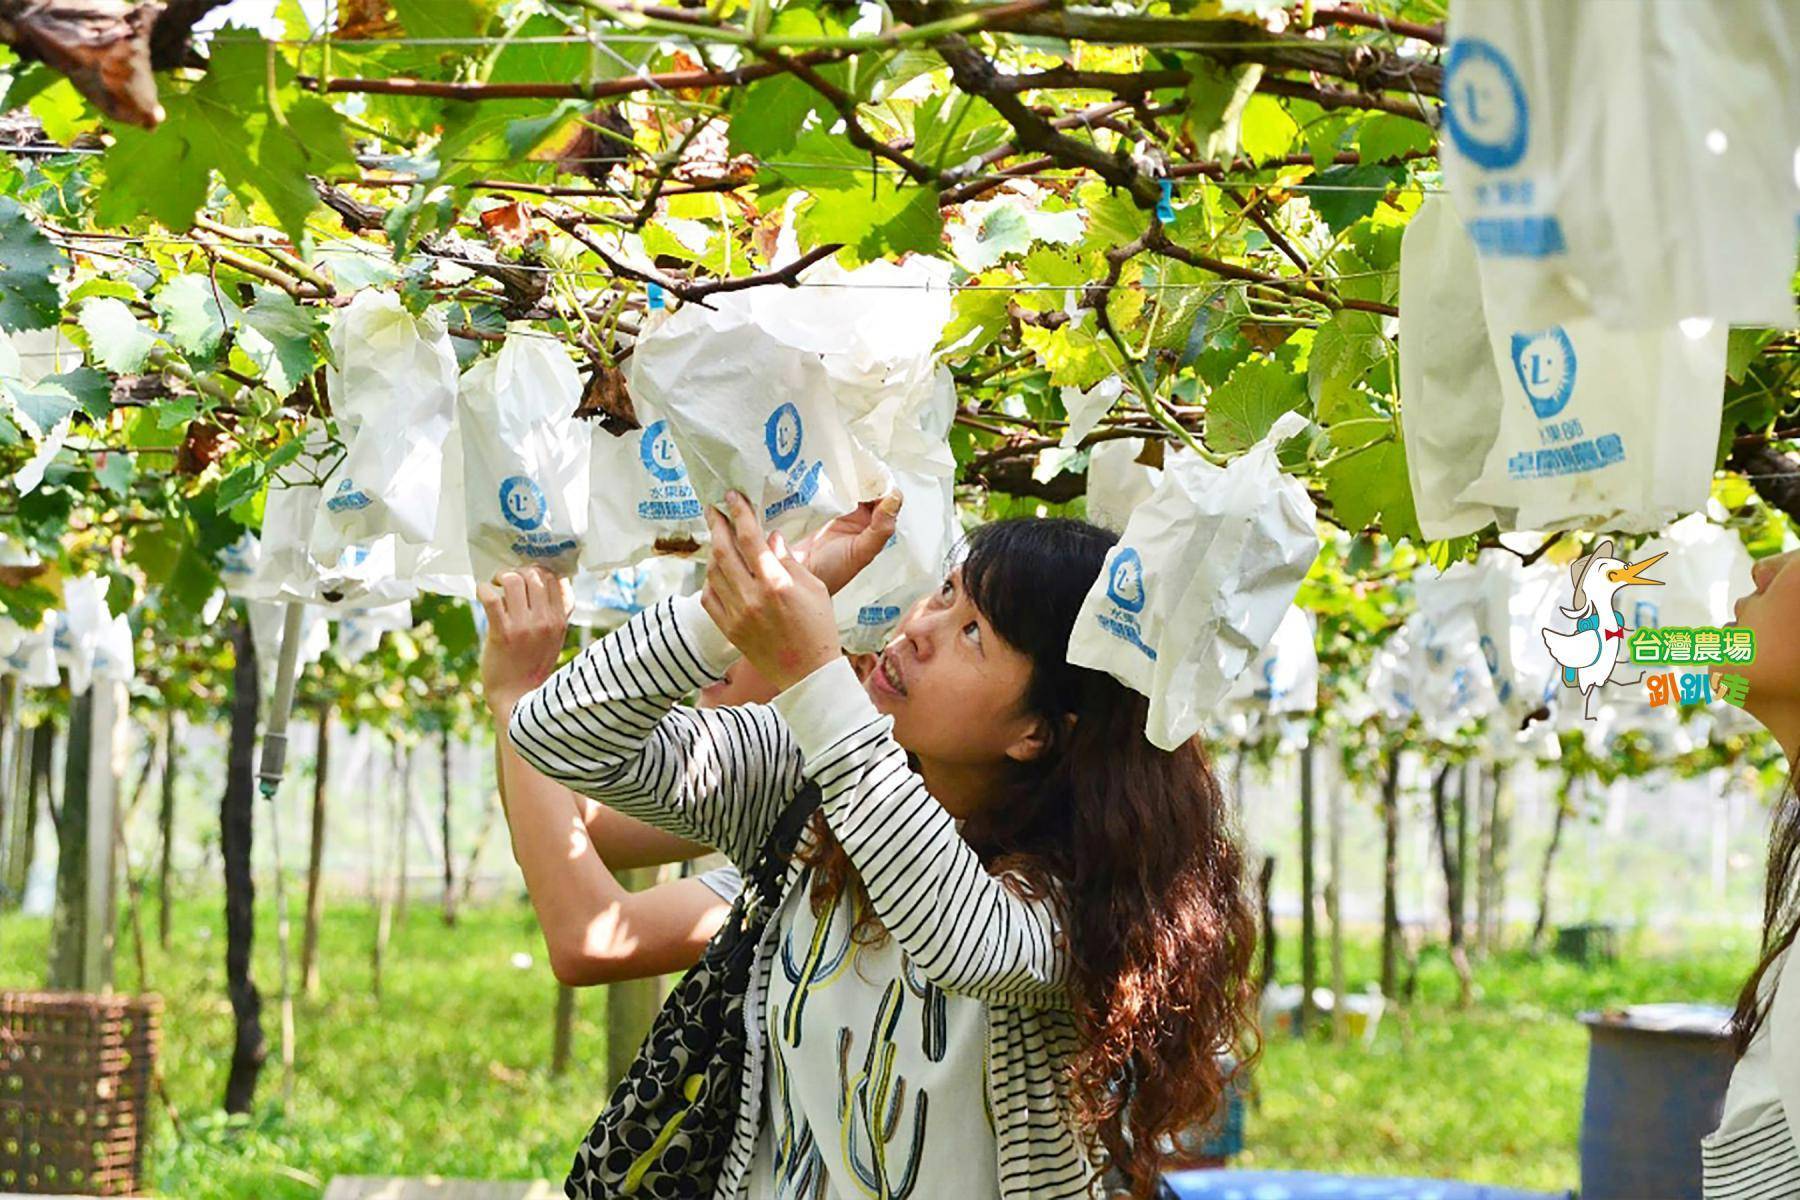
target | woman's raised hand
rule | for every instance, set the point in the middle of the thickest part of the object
(837, 552)
(774, 609)
(528, 617)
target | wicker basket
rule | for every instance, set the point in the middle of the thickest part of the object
(75, 1077)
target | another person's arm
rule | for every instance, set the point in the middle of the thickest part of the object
(595, 931)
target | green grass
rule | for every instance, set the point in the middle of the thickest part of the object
(448, 1074)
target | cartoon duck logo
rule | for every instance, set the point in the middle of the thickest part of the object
(1591, 655)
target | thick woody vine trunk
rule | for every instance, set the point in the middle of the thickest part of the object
(236, 828)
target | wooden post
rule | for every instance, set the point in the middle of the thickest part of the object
(315, 859)
(1502, 854)
(1564, 801)
(1265, 885)
(449, 865)
(165, 827)
(1390, 876)
(12, 799)
(1309, 934)
(81, 950)
(562, 1034)
(403, 833)
(1334, 911)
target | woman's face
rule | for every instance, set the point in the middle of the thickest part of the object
(1773, 612)
(956, 692)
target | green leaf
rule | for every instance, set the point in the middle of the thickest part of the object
(895, 219)
(951, 128)
(238, 486)
(28, 298)
(1742, 346)
(1267, 130)
(278, 336)
(1343, 349)
(1003, 231)
(64, 112)
(1216, 99)
(115, 471)
(92, 390)
(977, 318)
(1385, 136)
(1073, 353)
(264, 146)
(524, 136)
(767, 117)
(1348, 194)
(1240, 410)
(444, 18)
(175, 413)
(43, 404)
(117, 340)
(1367, 484)
(195, 313)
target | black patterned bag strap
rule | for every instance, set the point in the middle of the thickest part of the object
(770, 864)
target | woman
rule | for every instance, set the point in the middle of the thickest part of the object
(1752, 1155)
(1015, 934)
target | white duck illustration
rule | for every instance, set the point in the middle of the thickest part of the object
(1590, 655)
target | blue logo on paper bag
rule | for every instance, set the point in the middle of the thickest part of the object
(1125, 586)
(522, 502)
(348, 496)
(1487, 114)
(658, 451)
(782, 436)
(1545, 362)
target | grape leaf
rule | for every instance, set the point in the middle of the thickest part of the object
(1387, 136)
(92, 390)
(1348, 194)
(195, 313)
(43, 404)
(264, 146)
(1343, 349)
(767, 117)
(949, 129)
(893, 220)
(444, 18)
(117, 340)
(1368, 481)
(1216, 98)
(278, 337)
(28, 298)
(1240, 410)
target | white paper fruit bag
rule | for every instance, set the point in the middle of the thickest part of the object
(640, 499)
(1284, 677)
(749, 413)
(1199, 582)
(1577, 426)
(525, 457)
(1632, 161)
(395, 395)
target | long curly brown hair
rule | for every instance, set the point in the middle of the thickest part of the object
(1134, 843)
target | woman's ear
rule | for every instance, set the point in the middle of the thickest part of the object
(1035, 740)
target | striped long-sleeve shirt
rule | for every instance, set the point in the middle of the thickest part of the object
(610, 725)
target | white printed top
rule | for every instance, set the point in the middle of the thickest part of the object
(877, 1086)
(1751, 1155)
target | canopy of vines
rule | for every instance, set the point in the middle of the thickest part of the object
(1204, 198)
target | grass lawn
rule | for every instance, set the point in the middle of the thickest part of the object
(448, 1074)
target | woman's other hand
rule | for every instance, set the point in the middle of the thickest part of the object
(774, 610)
(528, 618)
(837, 552)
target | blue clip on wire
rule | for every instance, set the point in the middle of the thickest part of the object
(654, 293)
(1165, 210)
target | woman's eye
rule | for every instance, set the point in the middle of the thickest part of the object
(944, 591)
(973, 629)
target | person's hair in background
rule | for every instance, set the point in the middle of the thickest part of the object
(1135, 841)
(1773, 612)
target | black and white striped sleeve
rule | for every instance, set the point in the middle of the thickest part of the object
(963, 928)
(609, 725)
